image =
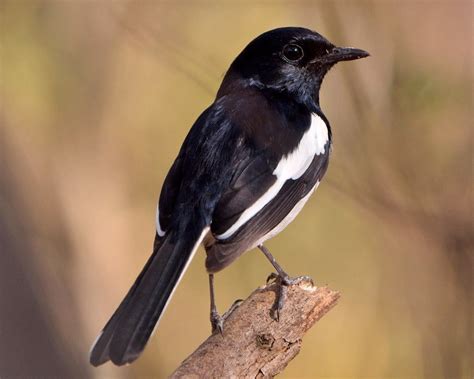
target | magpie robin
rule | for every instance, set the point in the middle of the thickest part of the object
(245, 170)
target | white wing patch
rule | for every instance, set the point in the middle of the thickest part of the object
(160, 231)
(321, 133)
(291, 166)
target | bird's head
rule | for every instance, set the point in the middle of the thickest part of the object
(291, 60)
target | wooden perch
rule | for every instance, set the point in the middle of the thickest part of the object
(253, 344)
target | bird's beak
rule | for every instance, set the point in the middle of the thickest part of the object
(339, 54)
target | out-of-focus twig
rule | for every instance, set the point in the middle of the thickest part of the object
(253, 344)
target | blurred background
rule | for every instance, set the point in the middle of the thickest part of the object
(96, 98)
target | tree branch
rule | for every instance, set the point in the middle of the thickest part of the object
(253, 344)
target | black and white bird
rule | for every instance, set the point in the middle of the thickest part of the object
(245, 170)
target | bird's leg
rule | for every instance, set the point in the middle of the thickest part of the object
(217, 321)
(282, 274)
(283, 280)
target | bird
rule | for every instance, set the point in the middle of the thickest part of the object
(245, 170)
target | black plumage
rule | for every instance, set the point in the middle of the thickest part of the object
(242, 173)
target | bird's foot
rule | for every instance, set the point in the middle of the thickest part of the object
(283, 282)
(217, 321)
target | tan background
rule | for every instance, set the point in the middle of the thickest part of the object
(97, 97)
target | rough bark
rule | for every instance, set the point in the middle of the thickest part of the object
(254, 345)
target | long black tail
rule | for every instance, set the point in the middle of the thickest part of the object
(126, 333)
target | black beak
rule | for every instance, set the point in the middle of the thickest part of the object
(339, 54)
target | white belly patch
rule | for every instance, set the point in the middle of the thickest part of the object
(288, 219)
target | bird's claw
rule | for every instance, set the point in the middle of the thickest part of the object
(283, 282)
(217, 321)
(272, 278)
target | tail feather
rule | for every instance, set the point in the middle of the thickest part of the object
(125, 335)
(99, 353)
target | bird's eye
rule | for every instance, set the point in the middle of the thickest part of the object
(292, 53)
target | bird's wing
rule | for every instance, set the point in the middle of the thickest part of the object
(265, 188)
(266, 219)
(251, 180)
